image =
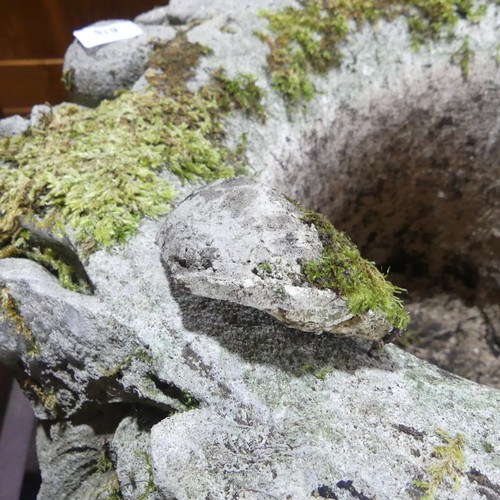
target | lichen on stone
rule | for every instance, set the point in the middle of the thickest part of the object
(342, 269)
(309, 39)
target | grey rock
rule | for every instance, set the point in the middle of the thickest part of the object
(131, 445)
(281, 412)
(156, 16)
(182, 12)
(310, 437)
(92, 75)
(73, 331)
(13, 125)
(242, 241)
(76, 450)
(38, 112)
(381, 151)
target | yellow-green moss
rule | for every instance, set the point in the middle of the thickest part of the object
(307, 368)
(10, 312)
(449, 465)
(464, 57)
(151, 486)
(104, 462)
(342, 269)
(302, 41)
(105, 465)
(266, 267)
(241, 93)
(189, 400)
(139, 355)
(59, 257)
(111, 489)
(98, 172)
(46, 395)
(309, 39)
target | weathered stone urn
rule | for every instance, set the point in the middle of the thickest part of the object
(179, 336)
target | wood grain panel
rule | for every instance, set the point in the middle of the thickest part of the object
(28, 82)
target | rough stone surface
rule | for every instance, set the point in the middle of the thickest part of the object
(83, 349)
(281, 412)
(181, 13)
(131, 445)
(91, 75)
(157, 16)
(455, 336)
(13, 125)
(394, 148)
(84, 450)
(240, 241)
(38, 112)
(78, 447)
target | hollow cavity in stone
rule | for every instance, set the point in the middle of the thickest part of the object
(414, 182)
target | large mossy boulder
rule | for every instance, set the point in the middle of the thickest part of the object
(150, 384)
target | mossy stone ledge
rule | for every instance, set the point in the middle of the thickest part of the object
(242, 242)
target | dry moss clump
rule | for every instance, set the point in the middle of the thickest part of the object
(172, 64)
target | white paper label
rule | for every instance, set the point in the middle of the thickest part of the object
(92, 36)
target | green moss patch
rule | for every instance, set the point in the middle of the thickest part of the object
(240, 93)
(309, 39)
(448, 467)
(172, 66)
(99, 172)
(342, 269)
